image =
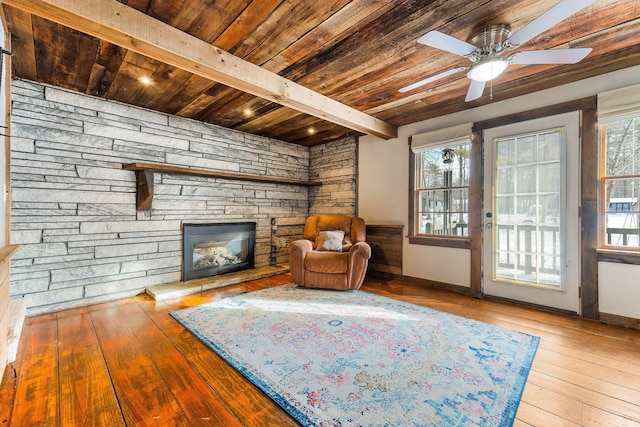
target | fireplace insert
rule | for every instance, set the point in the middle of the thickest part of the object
(212, 249)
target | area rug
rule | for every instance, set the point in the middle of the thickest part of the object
(332, 358)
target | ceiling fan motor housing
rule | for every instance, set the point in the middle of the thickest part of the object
(490, 41)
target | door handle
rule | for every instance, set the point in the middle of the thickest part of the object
(488, 224)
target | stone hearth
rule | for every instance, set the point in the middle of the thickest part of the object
(178, 289)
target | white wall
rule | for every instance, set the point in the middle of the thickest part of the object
(383, 181)
(384, 187)
(616, 281)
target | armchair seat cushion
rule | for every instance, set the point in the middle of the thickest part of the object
(314, 279)
(327, 262)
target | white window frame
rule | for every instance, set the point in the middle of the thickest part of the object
(439, 140)
(615, 106)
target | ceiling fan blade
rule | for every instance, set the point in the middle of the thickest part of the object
(445, 42)
(431, 79)
(475, 90)
(555, 56)
(551, 17)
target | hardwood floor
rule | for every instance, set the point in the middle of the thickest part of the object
(129, 363)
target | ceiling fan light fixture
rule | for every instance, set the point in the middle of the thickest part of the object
(488, 70)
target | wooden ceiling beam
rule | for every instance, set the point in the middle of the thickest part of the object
(126, 27)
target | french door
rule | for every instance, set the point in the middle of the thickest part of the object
(530, 212)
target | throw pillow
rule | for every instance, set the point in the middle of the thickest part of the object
(330, 241)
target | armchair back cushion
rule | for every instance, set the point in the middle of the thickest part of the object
(354, 229)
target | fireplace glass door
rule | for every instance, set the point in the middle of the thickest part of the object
(212, 249)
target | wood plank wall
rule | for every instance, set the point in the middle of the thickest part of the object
(386, 249)
(5, 81)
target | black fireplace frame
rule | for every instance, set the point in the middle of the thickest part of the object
(194, 234)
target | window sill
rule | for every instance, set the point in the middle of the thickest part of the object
(448, 242)
(619, 256)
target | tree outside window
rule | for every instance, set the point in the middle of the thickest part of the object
(442, 190)
(620, 183)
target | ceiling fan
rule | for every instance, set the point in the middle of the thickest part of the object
(486, 48)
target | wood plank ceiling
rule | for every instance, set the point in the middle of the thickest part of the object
(357, 52)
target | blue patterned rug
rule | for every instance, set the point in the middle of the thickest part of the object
(333, 358)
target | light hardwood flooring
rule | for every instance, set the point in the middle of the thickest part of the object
(130, 363)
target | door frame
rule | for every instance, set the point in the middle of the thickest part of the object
(588, 287)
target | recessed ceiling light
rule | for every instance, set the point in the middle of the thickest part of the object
(248, 112)
(311, 131)
(145, 81)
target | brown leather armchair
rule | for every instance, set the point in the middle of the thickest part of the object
(333, 253)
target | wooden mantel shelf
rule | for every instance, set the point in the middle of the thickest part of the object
(6, 252)
(144, 179)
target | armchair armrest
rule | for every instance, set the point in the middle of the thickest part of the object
(360, 249)
(359, 255)
(298, 249)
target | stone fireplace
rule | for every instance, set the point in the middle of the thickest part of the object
(74, 208)
(212, 249)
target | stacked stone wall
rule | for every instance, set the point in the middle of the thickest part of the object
(73, 208)
(335, 165)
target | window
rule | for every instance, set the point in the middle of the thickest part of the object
(441, 183)
(442, 190)
(619, 216)
(620, 182)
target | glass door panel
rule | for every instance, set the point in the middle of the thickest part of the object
(527, 224)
